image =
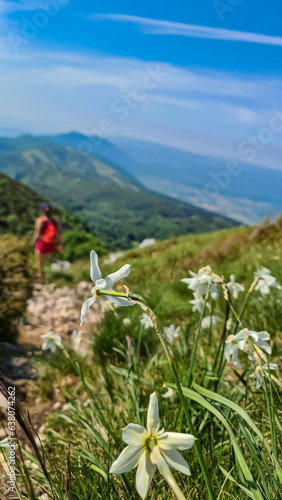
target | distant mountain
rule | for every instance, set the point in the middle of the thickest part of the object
(248, 196)
(19, 207)
(114, 204)
(100, 149)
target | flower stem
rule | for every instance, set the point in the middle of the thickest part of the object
(196, 339)
(198, 447)
(143, 305)
(251, 289)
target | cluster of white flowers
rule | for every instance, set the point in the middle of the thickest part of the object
(265, 281)
(205, 279)
(246, 341)
(250, 342)
(200, 283)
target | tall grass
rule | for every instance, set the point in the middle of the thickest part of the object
(238, 427)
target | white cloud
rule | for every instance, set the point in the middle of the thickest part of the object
(206, 112)
(10, 6)
(160, 27)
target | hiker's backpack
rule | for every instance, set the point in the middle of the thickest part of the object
(49, 231)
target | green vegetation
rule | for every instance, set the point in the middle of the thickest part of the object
(237, 425)
(20, 206)
(115, 207)
(15, 284)
(78, 244)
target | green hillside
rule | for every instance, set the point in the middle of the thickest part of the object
(115, 207)
(19, 207)
(156, 271)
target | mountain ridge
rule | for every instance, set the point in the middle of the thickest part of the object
(252, 193)
(120, 211)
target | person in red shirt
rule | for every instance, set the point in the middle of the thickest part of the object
(47, 236)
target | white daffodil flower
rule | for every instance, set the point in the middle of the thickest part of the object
(257, 340)
(263, 372)
(5, 447)
(146, 321)
(75, 340)
(200, 282)
(52, 342)
(234, 288)
(233, 344)
(107, 283)
(126, 321)
(246, 340)
(141, 443)
(208, 320)
(171, 332)
(170, 394)
(198, 304)
(265, 281)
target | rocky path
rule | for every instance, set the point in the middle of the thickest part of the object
(57, 310)
(49, 309)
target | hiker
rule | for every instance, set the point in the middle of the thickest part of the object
(45, 238)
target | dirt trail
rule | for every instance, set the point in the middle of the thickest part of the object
(57, 310)
(49, 309)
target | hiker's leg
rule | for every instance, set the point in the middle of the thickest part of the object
(40, 261)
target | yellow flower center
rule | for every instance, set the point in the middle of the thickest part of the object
(151, 442)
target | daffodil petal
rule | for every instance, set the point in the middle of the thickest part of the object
(44, 346)
(134, 434)
(235, 359)
(127, 460)
(264, 346)
(144, 475)
(176, 461)
(228, 351)
(120, 301)
(153, 418)
(95, 273)
(47, 335)
(123, 272)
(85, 307)
(170, 440)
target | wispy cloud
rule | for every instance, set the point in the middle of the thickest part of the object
(10, 6)
(160, 27)
(201, 111)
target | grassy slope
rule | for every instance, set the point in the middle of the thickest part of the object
(19, 208)
(156, 271)
(119, 377)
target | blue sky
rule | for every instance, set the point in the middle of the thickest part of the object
(202, 76)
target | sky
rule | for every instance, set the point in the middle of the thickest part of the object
(203, 76)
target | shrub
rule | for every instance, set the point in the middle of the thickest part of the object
(79, 243)
(15, 284)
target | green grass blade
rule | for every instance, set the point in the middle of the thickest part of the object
(230, 404)
(243, 465)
